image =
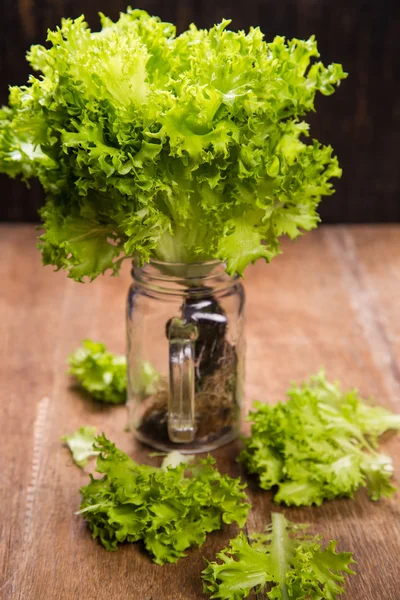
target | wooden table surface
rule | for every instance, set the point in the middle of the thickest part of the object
(332, 299)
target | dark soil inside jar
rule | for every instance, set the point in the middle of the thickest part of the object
(215, 377)
(211, 322)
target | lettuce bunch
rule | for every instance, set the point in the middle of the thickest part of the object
(170, 508)
(181, 148)
(319, 445)
(292, 563)
(99, 372)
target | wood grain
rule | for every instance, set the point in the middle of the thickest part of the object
(361, 120)
(331, 299)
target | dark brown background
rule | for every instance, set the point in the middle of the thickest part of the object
(361, 121)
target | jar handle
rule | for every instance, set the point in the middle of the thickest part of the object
(181, 408)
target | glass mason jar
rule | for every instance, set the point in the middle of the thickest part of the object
(185, 348)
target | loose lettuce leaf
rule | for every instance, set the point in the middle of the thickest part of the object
(99, 372)
(81, 444)
(175, 458)
(169, 508)
(183, 148)
(320, 444)
(295, 564)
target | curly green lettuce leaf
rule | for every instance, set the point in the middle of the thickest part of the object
(81, 244)
(101, 373)
(80, 444)
(293, 563)
(378, 471)
(319, 445)
(183, 148)
(170, 508)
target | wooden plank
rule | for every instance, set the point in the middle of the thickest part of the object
(27, 349)
(376, 252)
(316, 313)
(304, 310)
(57, 551)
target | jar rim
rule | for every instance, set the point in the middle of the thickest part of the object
(175, 277)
